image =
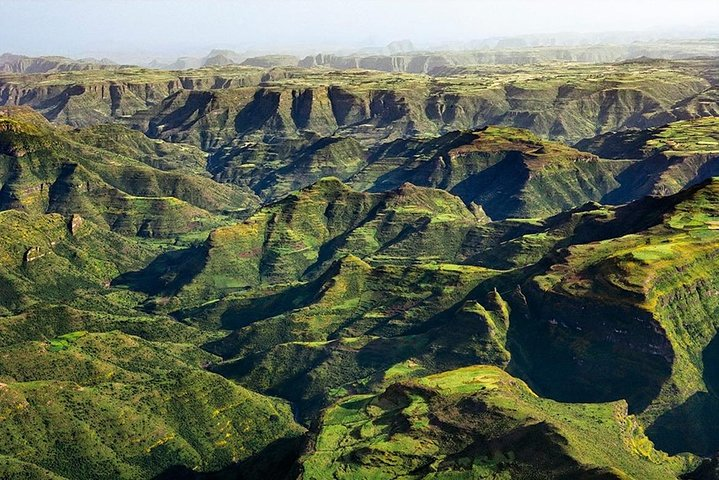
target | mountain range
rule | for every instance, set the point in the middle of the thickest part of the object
(284, 270)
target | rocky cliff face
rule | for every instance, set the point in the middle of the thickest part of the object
(418, 105)
(211, 107)
(629, 317)
(100, 97)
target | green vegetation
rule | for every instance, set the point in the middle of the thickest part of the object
(678, 139)
(133, 144)
(540, 177)
(673, 156)
(284, 242)
(42, 261)
(655, 283)
(116, 406)
(353, 273)
(63, 342)
(92, 387)
(479, 422)
(48, 169)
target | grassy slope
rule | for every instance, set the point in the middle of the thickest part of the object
(631, 316)
(326, 265)
(91, 387)
(479, 422)
(301, 235)
(42, 261)
(353, 328)
(133, 144)
(509, 172)
(115, 406)
(49, 169)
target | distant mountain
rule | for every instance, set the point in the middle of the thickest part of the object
(214, 108)
(216, 57)
(269, 61)
(400, 46)
(182, 63)
(10, 63)
(403, 57)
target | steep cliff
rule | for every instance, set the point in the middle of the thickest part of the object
(210, 107)
(674, 156)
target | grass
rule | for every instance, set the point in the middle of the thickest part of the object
(363, 304)
(464, 381)
(399, 433)
(113, 176)
(133, 407)
(63, 342)
(662, 274)
(699, 136)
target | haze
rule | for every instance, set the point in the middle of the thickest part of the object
(130, 29)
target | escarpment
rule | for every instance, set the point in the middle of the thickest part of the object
(287, 101)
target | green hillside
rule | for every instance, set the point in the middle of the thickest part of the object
(479, 422)
(115, 406)
(673, 157)
(501, 271)
(109, 179)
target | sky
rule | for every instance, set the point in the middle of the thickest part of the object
(166, 28)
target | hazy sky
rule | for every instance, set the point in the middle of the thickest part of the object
(173, 27)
